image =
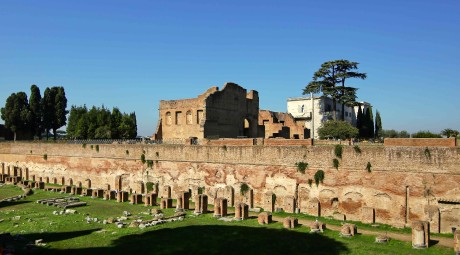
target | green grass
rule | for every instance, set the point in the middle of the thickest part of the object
(70, 234)
(10, 191)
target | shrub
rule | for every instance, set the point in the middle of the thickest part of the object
(97, 147)
(83, 146)
(149, 186)
(319, 177)
(127, 152)
(157, 154)
(92, 147)
(149, 163)
(301, 166)
(143, 158)
(201, 190)
(425, 134)
(369, 167)
(337, 129)
(338, 151)
(224, 147)
(335, 163)
(45, 156)
(427, 153)
(244, 188)
(310, 181)
(30, 151)
(357, 149)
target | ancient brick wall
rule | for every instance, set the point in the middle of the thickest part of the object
(403, 184)
(421, 142)
(288, 142)
(279, 124)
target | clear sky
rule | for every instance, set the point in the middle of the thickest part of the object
(132, 54)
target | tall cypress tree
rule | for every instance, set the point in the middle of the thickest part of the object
(378, 125)
(370, 122)
(35, 106)
(359, 121)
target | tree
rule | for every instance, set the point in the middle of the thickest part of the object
(360, 122)
(76, 113)
(16, 113)
(35, 106)
(425, 134)
(331, 74)
(378, 125)
(115, 122)
(368, 124)
(60, 111)
(48, 110)
(337, 129)
(449, 132)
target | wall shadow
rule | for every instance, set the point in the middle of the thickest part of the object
(216, 239)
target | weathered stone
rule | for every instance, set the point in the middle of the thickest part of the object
(420, 234)
(290, 222)
(264, 218)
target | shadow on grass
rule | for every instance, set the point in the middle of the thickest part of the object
(12, 203)
(59, 236)
(215, 239)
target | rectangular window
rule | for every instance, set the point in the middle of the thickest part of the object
(178, 118)
(199, 116)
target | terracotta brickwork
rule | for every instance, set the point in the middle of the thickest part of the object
(405, 183)
(421, 142)
(280, 124)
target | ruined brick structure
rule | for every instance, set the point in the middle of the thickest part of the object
(226, 113)
(280, 124)
(405, 184)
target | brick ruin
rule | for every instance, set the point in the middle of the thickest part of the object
(406, 184)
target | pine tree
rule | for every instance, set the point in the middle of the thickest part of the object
(35, 106)
(378, 125)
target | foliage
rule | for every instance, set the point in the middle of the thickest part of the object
(92, 146)
(16, 113)
(319, 177)
(143, 158)
(427, 153)
(330, 80)
(35, 106)
(369, 167)
(149, 186)
(157, 154)
(149, 163)
(337, 129)
(449, 132)
(360, 121)
(357, 149)
(201, 190)
(301, 166)
(54, 109)
(378, 125)
(100, 123)
(335, 163)
(83, 146)
(310, 181)
(97, 147)
(338, 150)
(244, 188)
(224, 147)
(391, 133)
(127, 152)
(45, 156)
(367, 126)
(425, 134)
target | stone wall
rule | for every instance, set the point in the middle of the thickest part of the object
(421, 142)
(403, 184)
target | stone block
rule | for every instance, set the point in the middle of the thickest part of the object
(290, 222)
(264, 218)
(420, 234)
(166, 203)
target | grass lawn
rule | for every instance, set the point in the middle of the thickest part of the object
(10, 191)
(70, 234)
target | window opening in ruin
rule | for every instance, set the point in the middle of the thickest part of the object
(178, 118)
(168, 118)
(199, 116)
(247, 127)
(265, 122)
(189, 117)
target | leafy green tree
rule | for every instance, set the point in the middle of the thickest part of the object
(16, 113)
(76, 113)
(35, 107)
(115, 122)
(48, 110)
(449, 132)
(127, 127)
(378, 125)
(330, 80)
(425, 134)
(337, 129)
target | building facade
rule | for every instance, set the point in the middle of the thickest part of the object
(319, 110)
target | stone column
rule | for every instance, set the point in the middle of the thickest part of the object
(420, 234)
(269, 202)
(457, 242)
(88, 183)
(166, 192)
(201, 204)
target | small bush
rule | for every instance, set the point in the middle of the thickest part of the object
(369, 167)
(357, 149)
(427, 153)
(92, 146)
(45, 156)
(83, 146)
(335, 163)
(338, 151)
(30, 151)
(224, 147)
(149, 186)
(143, 158)
(97, 147)
(149, 163)
(319, 177)
(157, 154)
(201, 190)
(310, 181)
(244, 188)
(301, 166)
(127, 152)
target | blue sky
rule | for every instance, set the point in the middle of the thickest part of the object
(132, 54)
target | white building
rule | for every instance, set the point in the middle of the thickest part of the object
(319, 110)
